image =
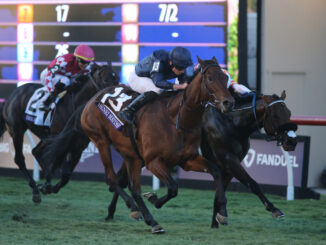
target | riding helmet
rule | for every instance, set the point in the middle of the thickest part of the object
(84, 52)
(180, 57)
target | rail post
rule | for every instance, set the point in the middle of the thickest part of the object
(290, 187)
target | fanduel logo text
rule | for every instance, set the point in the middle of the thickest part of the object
(268, 159)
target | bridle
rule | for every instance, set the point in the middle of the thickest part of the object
(276, 133)
(211, 95)
(93, 81)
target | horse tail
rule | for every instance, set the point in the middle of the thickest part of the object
(2, 120)
(55, 149)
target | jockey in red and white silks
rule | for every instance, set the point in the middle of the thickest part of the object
(63, 69)
(238, 88)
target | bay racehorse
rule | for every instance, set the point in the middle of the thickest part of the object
(226, 141)
(13, 112)
(168, 134)
(225, 136)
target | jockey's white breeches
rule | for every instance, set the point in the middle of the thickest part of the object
(52, 81)
(142, 84)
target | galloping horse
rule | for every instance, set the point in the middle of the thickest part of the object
(159, 143)
(226, 138)
(13, 111)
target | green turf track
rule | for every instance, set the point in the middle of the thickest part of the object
(76, 216)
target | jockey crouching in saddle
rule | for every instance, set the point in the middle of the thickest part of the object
(61, 71)
(151, 75)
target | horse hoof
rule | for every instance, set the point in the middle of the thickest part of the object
(37, 198)
(278, 214)
(148, 195)
(215, 225)
(108, 218)
(136, 215)
(151, 197)
(221, 219)
(157, 229)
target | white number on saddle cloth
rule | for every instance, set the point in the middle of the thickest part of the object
(32, 112)
(120, 98)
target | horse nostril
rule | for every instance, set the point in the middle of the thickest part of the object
(228, 104)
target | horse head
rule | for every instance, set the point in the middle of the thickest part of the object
(103, 76)
(277, 121)
(215, 84)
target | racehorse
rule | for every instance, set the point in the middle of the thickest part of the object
(168, 134)
(225, 141)
(226, 138)
(13, 111)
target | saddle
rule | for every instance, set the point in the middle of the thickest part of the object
(113, 101)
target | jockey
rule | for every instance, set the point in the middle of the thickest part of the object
(63, 68)
(151, 74)
(237, 88)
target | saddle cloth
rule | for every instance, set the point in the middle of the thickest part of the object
(111, 103)
(32, 112)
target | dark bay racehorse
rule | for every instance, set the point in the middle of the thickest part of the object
(226, 138)
(159, 143)
(13, 112)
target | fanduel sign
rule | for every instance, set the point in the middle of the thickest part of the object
(265, 163)
(268, 159)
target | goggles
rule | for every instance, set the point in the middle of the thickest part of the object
(84, 62)
(179, 68)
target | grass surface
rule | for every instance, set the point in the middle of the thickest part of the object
(76, 216)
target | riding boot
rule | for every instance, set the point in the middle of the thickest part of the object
(127, 114)
(59, 87)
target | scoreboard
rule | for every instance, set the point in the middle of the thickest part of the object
(33, 33)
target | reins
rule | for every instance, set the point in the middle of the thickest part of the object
(93, 82)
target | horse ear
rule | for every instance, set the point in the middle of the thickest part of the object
(214, 59)
(283, 95)
(94, 67)
(200, 61)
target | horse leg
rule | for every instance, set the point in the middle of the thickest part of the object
(111, 178)
(200, 164)
(18, 139)
(36, 151)
(240, 174)
(159, 169)
(134, 171)
(122, 176)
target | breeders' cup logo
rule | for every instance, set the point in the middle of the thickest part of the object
(250, 157)
(90, 151)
